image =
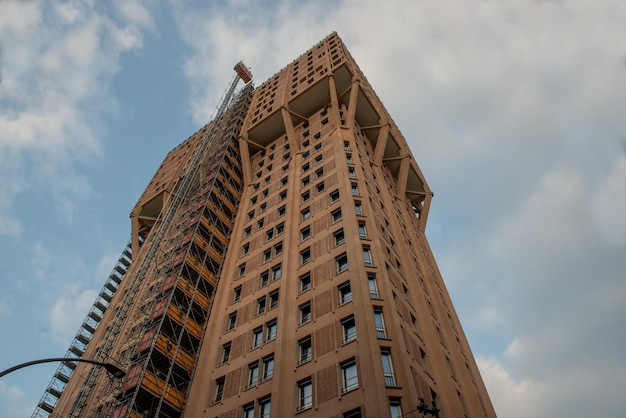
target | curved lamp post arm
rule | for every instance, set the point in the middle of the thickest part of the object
(111, 368)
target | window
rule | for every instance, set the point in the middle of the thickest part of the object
(349, 158)
(237, 293)
(319, 187)
(225, 353)
(257, 337)
(345, 293)
(339, 237)
(285, 167)
(267, 255)
(351, 173)
(251, 215)
(373, 286)
(273, 299)
(317, 136)
(395, 408)
(305, 213)
(336, 215)
(264, 408)
(219, 389)
(390, 379)
(305, 233)
(268, 367)
(280, 228)
(380, 323)
(317, 147)
(305, 394)
(304, 313)
(342, 262)
(268, 178)
(270, 331)
(263, 207)
(305, 167)
(254, 199)
(277, 272)
(306, 181)
(362, 230)
(241, 270)
(265, 192)
(253, 373)
(247, 231)
(355, 189)
(281, 211)
(282, 196)
(232, 320)
(245, 249)
(348, 329)
(260, 305)
(269, 235)
(305, 255)
(346, 146)
(319, 159)
(319, 172)
(367, 256)
(305, 350)
(283, 181)
(248, 411)
(349, 377)
(260, 223)
(358, 208)
(305, 196)
(334, 196)
(265, 278)
(286, 156)
(278, 249)
(305, 282)
(355, 413)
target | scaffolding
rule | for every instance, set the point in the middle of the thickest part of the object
(158, 324)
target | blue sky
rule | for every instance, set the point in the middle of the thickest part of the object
(515, 112)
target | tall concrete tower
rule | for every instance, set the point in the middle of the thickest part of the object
(278, 266)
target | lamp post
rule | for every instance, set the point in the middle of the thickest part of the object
(112, 369)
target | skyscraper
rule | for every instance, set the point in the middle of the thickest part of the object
(277, 267)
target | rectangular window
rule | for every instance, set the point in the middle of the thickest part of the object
(283, 181)
(269, 234)
(342, 262)
(250, 215)
(274, 299)
(280, 228)
(263, 207)
(336, 215)
(346, 146)
(282, 196)
(305, 233)
(253, 374)
(270, 331)
(306, 181)
(237, 293)
(380, 323)
(247, 231)
(281, 211)
(334, 196)
(319, 159)
(348, 329)
(319, 187)
(268, 367)
(367, 256)
(260, 305)
(264, 408)
(362, 230)
(395, 408)
(260, 223)
(267, 255)
(225, 353)
(245, 249)
(349, 377)
(390, 378)
(339, 237)
(358, 208)
(265, 278)
(248, 411)
(306, 167)
(373, 286)
(305, 255)
(232, 320)
(305, 214)
(305, 282)
(304, 313)
(319, 172)
(305, 196)
(278, 249)
(305, 394)
(317, 147)
(257, 337)
(305, 350)
(219, 389)
(345, 293)
(349, 158)
(355, 189)
(277, 272)
(351, 173)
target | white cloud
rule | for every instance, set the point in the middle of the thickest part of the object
(68, 312)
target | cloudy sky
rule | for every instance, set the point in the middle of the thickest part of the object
(515, 111)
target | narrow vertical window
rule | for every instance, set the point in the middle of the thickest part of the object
(304, 313)
(390, 378)
(349, 377)
(381, 332)
(373, 286)
(305, 394)
(268, 367)
(305, 350)
(345, 293)
(219, 389)
(264, 408)
(395, 408)
(253, 373)
(348, 329)
(367, 256)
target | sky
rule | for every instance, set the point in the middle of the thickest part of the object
(514, 110)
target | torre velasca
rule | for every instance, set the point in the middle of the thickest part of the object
(277, 267)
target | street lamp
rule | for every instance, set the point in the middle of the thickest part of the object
(112, 369)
